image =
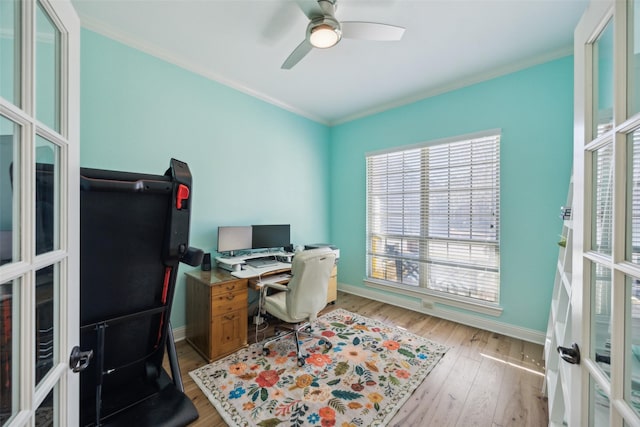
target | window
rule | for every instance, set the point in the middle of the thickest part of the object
(433, 213)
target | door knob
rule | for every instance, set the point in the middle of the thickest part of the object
(79, 360)
(571, 355)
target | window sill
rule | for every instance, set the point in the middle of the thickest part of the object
(429, 297)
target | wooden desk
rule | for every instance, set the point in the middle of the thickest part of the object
(217, 310)
(217, 305)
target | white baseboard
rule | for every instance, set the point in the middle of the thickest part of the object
(437, 310)
(179, 333)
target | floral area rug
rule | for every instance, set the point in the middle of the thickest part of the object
(369, 372)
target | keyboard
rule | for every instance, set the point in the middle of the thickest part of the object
(261, 262)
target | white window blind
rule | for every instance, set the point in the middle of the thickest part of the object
(633, 201)
(433, 218)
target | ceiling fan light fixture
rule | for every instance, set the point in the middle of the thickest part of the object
(323, 36)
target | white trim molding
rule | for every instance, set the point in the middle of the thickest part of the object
(433, 308)
(179, 333)
(171, 58)
(459, 84)
(135, 42)
(429, 297)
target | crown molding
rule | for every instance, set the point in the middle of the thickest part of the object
(131, 41)
(153, 50)
(459, 84)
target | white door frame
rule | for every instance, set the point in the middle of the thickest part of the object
(66, 255)
(586, 142)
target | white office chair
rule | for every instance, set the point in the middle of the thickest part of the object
(306, 294)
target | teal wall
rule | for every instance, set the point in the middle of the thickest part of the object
(252, 163)
(534, 109)
(255, 163)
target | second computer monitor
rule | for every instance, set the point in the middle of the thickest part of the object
(271, 236)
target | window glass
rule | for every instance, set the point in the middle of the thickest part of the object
(47, 195)
(602, 206)
(633, 197)
(9, 350)
(599, 408)
(10, 45)
(632, 345)
(603, 81)
(46, 315)
(46, 413)
(601, 316)
(633, 61)
(433, 217)
(9, 191)
(47, 70)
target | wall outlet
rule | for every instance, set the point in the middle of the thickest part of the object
(427, 304)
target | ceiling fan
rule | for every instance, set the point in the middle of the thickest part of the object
(325, 31)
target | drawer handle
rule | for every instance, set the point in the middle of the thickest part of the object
(230, 297)
(230, 317)
(230, 288)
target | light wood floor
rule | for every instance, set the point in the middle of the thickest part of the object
(485, 379)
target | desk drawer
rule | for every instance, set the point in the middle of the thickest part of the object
(225, 288)
(228, 333)
(229, 301)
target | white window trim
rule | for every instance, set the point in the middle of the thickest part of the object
(428, 295)
(474, 135)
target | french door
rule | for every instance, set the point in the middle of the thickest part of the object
(605, 292)
(39, 212)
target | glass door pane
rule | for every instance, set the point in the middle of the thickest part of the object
(603, 81)
(9, 191)
(10, 45)
(46, 415)
(601, 317)
(46, 320)
(47, 195)
(47, 70)
(633, 62)
(632, 345)
(632, 252)
(602, 208)
(599, 407)
(9, 349)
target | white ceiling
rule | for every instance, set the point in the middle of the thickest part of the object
(243, 43)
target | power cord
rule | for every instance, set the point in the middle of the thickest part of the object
(260, 315)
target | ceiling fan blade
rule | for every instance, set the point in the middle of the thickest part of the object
(371, 31)
(311, 8)
(297, 54)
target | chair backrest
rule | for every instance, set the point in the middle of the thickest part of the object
(309, 282)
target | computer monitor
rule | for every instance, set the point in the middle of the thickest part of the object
(271, 236)
(231, 238)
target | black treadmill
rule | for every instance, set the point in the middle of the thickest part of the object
(134, 231)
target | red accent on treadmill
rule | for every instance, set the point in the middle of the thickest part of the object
(165, 291)
(165, 286)
(181, 195)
